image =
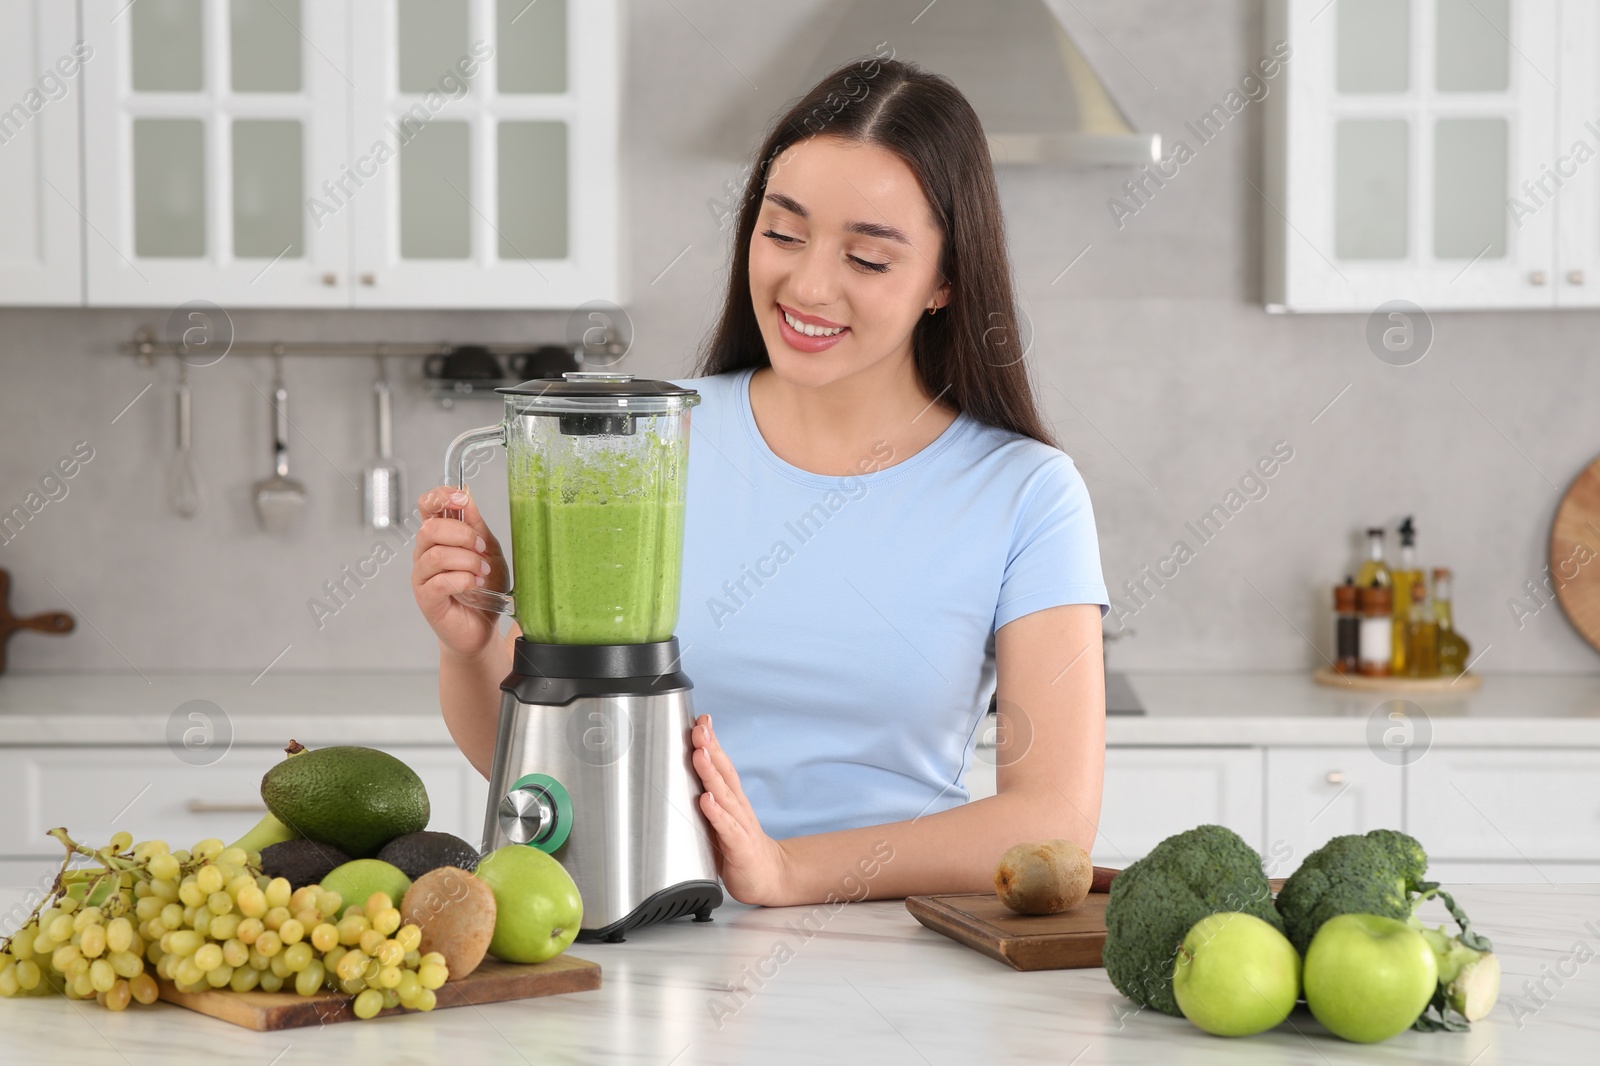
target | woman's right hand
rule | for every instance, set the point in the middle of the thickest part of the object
(450, 556)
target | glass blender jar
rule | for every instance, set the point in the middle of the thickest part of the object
(592, 756)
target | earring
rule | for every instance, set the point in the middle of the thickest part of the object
(932, 309)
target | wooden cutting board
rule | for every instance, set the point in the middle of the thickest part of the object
(492, 982)
(1065, 941)
(1575, 554)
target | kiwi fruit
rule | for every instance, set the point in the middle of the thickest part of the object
(1046, 877)
(456, 913)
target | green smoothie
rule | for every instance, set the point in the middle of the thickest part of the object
(597, 547)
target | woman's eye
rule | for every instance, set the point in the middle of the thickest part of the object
(865, 264)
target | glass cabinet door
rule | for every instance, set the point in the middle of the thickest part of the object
(489, 150)
(1412, 124)
(1572, 178)
(215, 137)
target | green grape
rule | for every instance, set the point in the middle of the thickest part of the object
(64, 956)
(172, 916)
(252, 902)
(190, 894)
(223, 926)
(426, 999)
(126, 964)
(297, 956)
(235, 953)
(434, 957)
(413, 958)
(60, 929)
(219, 977)
(184, 942)
(165, 891)
(432, 975)
(373, 969)
(207, 848)
(119, 934)
(144, 989)
(200, 922)
(352, 986)
(147, 908)
(409, 937)
(219, 902)
(29, 975)
(278, 892)
(303, 898)
(244, 979)
(351, 964)
(308, 982)
(82, 986)
(330, 960)
(80, 965)
(92, 941)
(324, 936)
(102, 975)
(22, 944)
(269, 943)
(188, 972)
(118, 996)
(371, 940)
(208, 957)
(350, 929)
(270, 982)
(409, 985)
(233, 857)
(67, 904)
(85, 918)
(259, 961)
(390, 953)
(279, 965)
(328, 902)
(388, 977)
(249, 929)
(120, 842)
(275, 917)
(291, 931)
(368, 1003)
(9, 983)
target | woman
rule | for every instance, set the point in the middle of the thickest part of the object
(880, 531)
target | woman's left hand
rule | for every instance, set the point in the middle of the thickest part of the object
(753, 866)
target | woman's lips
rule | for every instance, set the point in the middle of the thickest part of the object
(800, 342)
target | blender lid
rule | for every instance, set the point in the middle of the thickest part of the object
(586, 391)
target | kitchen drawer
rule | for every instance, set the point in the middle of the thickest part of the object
(1523, 804)
(1315, 794)
(95, 792)
(1152, 793)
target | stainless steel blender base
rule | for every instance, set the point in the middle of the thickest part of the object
(635, 840)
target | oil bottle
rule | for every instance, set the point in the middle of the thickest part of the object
(1422, 635)
(1374, 571)
(1404, 577)
(1453, 648)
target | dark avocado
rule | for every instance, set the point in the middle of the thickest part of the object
(417, 853)
(301, 862)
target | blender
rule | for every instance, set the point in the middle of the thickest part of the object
(592, 757)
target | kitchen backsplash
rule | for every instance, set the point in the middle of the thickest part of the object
(1164, 377)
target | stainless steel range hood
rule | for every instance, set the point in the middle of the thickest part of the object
(1038, 98)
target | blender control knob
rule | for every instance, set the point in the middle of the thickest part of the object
(537, 812)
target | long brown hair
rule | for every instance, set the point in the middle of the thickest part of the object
(970, 352)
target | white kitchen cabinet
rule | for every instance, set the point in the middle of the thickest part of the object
(360, 153)
(1152, 793)
(41, 80)
(1315, 794)
(1522, 806)
(1573, 176)
(97, 791)
(1397, 147)
(208, 126)
(502, 194)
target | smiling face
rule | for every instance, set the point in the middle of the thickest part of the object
(845, 245)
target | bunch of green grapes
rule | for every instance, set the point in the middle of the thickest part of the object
(208, 918)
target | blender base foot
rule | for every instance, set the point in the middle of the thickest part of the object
(697, 897)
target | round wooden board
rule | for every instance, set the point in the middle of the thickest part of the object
(1462, 683)
(1575, 553)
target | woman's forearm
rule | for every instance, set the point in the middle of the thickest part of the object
(469, 696)
(955, 850)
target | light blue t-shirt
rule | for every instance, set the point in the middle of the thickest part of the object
(840, 630)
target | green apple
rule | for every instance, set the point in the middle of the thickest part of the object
(360, 878)
(537, 906)
(1367, 977)
(1236, 975)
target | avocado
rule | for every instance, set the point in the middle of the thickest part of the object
(417, 853)
(357, 799)
(302, 862)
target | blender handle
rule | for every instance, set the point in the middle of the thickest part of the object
(455, 476)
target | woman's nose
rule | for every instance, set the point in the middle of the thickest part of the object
(814, 281)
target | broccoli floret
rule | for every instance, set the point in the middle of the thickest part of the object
(1384, 872)
(1371, 874)
(1156, 901)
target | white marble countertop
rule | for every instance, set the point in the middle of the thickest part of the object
(401, 708)
(872, 986)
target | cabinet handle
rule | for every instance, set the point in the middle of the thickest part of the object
(1574, 277)
(369, 279)
(330, 279)
(1335, 777)
(207, 807)
(1536, 277)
